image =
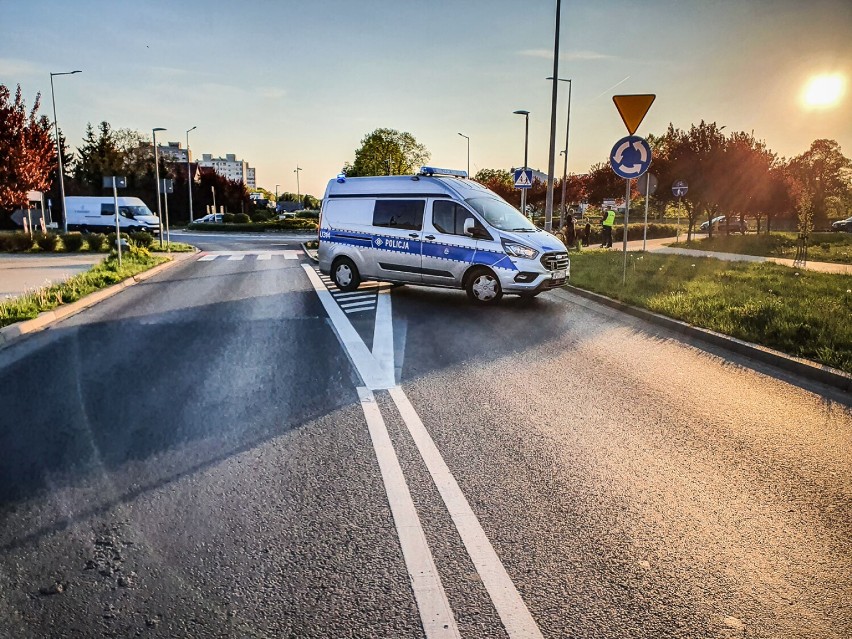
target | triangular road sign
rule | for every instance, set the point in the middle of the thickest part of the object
(523, 179)
(633, 108)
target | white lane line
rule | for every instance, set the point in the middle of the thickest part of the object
(383, 334)
(265, 256)
(207, 258)
(338, 294)
(358, 309)
(435, 612)
(374, 376)
(513, 612)
(236, 258)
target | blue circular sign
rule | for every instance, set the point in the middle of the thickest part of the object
(630, 157)
(679, 188)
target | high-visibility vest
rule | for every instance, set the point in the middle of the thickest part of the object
(609, 220)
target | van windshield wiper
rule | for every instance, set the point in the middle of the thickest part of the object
(524, 230)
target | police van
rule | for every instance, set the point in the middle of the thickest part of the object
(436, 228)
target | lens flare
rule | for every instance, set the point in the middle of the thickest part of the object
(824, 91)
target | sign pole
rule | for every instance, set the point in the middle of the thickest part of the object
(166, 200)
(117, 225)
(626, 220)
(678, 218)
(647, 195)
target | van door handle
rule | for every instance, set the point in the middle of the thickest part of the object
(430, 237)
(414, 235)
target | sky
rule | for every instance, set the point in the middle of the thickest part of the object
(283, 84)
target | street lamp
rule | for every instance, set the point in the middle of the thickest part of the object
(548, 209)
(565, 152)
(468, 152)
(189, 172)
(59, 150)
(157, 177)
(526, 114)
(298, 192)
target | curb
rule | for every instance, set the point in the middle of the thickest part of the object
(11, 333)
(805, 368)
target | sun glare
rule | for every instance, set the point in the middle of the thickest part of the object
(823, 91)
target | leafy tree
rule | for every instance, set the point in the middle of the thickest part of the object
(27, 152)
(822, 171)
(602, 183)
(100, 155)
(500, 181)
(387, 152)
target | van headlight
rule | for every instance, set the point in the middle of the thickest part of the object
(519, 250)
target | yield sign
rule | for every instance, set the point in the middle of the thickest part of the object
(633, 108)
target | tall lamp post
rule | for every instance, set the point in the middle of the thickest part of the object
(548, 209)
(157, 177)
(189, 172)
(468, 152)
(276, 197)
(526, 115)
(298, 192)
(59, 150)
(565, 152)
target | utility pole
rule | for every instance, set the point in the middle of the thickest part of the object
(548, 211)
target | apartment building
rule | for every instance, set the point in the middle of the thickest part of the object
(231, 168)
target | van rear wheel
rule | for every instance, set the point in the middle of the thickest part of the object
(345, 274)
(483, 287)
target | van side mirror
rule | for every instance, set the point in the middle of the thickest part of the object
(469, 227)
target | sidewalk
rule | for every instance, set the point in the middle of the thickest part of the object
(660, 246)
(22, 273)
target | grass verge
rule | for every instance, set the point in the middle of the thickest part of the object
(106, 273)
(823, 247)
(802, 313)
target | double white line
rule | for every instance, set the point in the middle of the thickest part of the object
(377, 371)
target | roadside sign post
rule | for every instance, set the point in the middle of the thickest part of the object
(167, 186)
(679, 189)
(116, 183)
(647, 188)
(523, 181)
(631, 156)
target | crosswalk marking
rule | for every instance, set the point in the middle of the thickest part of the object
(358, 303)
(206, 258)
(235, 258)
(266, 256)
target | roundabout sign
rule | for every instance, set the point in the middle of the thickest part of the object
(630, 157)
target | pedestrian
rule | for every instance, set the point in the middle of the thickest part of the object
(570, 231)
(587, 232)
(607, 222)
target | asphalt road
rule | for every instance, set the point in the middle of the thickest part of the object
(230, 450)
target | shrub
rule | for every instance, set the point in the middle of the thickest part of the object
(142, 239)
(20, 242)
(47, 241)
(261, 216)
(242, 218)
(308, 214)
(4, 242)
(72, 242)
(96, 242)
(111, 240)
(228, 218)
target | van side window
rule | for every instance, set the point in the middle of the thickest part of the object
(448, 217)
(107, 209)
(399, 214)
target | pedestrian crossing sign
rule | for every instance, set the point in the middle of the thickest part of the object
(523, 178)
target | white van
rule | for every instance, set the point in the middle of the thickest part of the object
(98, 214)
(436, 229)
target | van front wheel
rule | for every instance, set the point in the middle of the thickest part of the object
(483, 287)
(345, 274)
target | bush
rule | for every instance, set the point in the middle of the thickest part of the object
(228, 218)
(96, 242)
(142, 239)
(111, 240)
(261, 216)
(242, 218)
(20, 242)
(72, 242)
(47, 241)
(308, 215)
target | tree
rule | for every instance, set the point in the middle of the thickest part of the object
(27, 151)
(822, 171)
(99, 156)
(500, 181)
(387, 152)
(602, 183)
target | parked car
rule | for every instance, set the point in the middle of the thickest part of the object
(705, 225)
(842, 225)
(210, 218)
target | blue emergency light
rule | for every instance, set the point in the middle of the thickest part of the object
(434, 170)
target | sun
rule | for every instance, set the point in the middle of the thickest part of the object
(824, 91)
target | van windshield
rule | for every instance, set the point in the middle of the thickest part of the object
(500, 214)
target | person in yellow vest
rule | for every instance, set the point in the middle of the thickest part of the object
(607, 223)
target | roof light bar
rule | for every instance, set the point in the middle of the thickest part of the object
(434, 170)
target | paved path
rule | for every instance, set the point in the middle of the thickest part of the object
(661, 245)
(22, 273)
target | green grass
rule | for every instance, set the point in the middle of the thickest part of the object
(802, 313)
(104, 274)
(822, 247)
(175, 247)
